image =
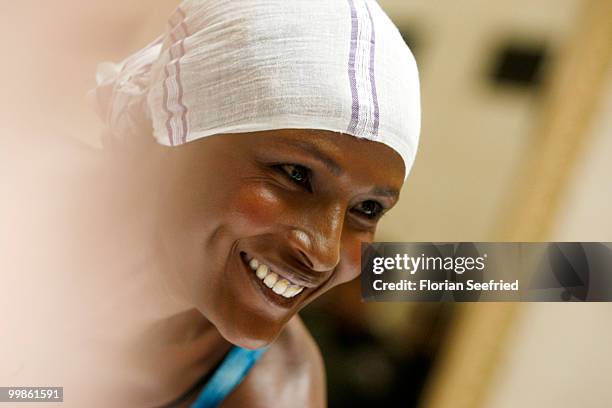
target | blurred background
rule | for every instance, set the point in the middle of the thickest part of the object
(516, 146)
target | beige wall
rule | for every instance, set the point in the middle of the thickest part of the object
(586, 212)
(558, 356)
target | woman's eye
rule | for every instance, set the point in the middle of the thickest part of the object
(298, 174)
(370, 209)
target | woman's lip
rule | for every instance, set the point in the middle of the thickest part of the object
(269, 296)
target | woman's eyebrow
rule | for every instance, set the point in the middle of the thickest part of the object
(333, 166)
(316, 154)
(385, 191)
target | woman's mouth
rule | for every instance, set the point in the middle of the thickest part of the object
(277, 284)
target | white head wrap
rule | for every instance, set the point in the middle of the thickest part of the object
(231, 66)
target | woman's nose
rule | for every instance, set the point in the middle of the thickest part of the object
(316, 240)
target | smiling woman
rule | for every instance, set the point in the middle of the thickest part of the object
(250, 150)
(292, 204)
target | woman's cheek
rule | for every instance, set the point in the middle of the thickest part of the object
(256, 206)
(351, 261)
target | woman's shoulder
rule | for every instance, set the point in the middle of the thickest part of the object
(298, 353)
(290, 373)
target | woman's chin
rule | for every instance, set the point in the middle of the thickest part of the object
(250, 343)
(249, 331)
(250, 340)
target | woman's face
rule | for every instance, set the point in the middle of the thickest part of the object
(300, 202)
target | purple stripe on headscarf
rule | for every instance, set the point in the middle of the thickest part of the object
(351, 69)
(373, 76)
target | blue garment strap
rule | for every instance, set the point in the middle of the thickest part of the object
(230, 373)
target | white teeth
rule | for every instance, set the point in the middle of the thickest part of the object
(270, 280)
(289, 292)
(292, 291)
(280, 286)
(262, 271)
